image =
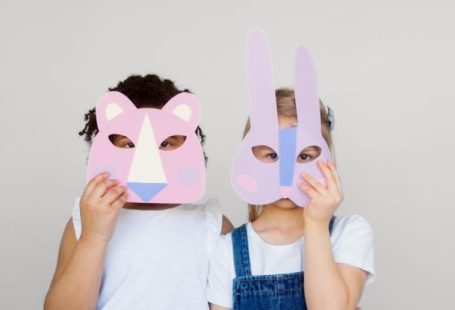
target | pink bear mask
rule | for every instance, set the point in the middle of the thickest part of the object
(151, 174)
(260, 183)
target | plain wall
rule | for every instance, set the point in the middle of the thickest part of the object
(385, 67)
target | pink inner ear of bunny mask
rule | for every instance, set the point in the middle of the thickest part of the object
(152, 175)
(260, 183)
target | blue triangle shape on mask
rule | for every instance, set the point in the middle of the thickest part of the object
(146, 191)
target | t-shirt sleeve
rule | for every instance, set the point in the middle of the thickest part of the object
(219, 289)
(352, 240)
(214, 222)
(77, 219)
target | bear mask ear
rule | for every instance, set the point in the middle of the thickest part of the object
(111, 105)
(186, 107)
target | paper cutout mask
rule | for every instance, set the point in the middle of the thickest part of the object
(261, 183)
(153, 175)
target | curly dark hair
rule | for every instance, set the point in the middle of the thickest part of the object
(149, 91)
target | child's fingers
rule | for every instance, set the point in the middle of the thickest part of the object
(331, 183)
(101, 188)
(113, 193)
(93, 182)
(335, 175)
(315, 184)
(311, 192)
(119, 202)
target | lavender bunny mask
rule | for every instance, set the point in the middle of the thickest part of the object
(261, 183)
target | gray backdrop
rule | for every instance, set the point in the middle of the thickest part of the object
(386, 67)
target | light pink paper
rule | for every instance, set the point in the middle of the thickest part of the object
(151, 174)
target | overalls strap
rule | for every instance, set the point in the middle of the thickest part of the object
(332, 221)
(241, 253)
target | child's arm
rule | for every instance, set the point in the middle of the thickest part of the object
(227, 226)
(77, 278)
(328, 285)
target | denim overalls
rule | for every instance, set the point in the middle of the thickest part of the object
(264, 292)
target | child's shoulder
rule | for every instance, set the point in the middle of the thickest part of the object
(350, 223)
(223, 247)
(209, 215)
(222, 257)
(211, 205)
(208, 211)
(353, 244)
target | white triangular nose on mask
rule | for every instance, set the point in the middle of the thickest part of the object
(146, 177)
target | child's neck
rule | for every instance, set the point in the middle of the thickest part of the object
(278, 225)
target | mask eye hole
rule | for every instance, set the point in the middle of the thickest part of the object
(172, 143)
(121, 141)
(309, 154)
(265, 153)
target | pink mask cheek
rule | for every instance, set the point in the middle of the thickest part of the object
(247, 183)
(188, 176)
(111, 170)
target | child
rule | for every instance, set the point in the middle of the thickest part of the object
(260, 264)
(120, 255)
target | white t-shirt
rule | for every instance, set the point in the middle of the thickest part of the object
(352, 243)
(158, 259)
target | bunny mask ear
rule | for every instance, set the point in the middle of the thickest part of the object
(259, 182)
(309, 132)
(152, 173)
(259, 70)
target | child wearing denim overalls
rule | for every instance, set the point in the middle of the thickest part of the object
(268, 264)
